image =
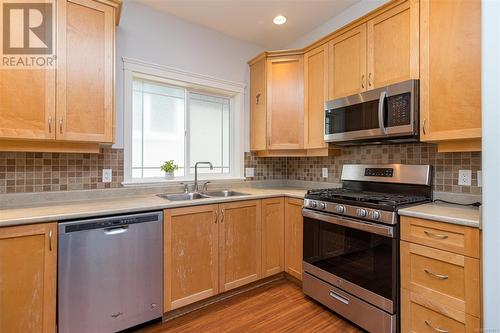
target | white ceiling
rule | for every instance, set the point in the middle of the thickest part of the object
(251, 20)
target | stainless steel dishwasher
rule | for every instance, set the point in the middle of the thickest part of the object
(110, 273)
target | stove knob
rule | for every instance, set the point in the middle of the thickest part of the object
(361, 212)
(321, 205)
(340, 209)
(375, 215)
(314, 204)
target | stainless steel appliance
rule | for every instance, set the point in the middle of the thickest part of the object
(351, 241)
(388, 114)
(110, 273)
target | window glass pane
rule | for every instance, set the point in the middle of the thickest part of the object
(209, 132)
(158, 129)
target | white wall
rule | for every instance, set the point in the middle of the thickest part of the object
(163, 39)
(491, 161)
(350, 14)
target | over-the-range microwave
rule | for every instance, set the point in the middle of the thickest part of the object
(388, 114)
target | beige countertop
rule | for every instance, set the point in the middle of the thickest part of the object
(462, 215)
(90, 208)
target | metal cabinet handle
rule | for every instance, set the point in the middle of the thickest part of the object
(257, 97)
(363, 81)
(222, 216)
(370, 79)
(60, 125)
(436, 236)
(50, 240)
(440, 330)
(437, 276)
(50, 124)
(338, 297)
(423, 127)
(216, 216)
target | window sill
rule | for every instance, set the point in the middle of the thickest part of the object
(177, 181)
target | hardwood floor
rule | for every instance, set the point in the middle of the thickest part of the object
(278, 307)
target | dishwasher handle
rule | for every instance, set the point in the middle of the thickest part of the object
(116, 230)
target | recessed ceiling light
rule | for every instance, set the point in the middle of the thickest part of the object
(280, 19)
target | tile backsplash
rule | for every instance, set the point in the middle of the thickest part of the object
(445, 165)
(43, 172)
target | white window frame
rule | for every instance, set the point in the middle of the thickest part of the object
(134, 68)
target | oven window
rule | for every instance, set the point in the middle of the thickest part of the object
(359, 257)
(351, 118)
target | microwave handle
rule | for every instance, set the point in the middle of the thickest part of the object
(381, 122)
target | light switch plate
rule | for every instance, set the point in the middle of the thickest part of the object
(479, 178)
(107, 175)
(324, 172)
(465, 177)
(249, 172)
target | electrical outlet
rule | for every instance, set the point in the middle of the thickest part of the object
(107, 175)
(324, 172)
(249, 172)
(464, 177)
(479, 178)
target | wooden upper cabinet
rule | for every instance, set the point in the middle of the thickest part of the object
(258, 113)
(347, 63)
(285, 102)
(315, 95)
(293, 237)
(191, 255)
(27, 103)
(273, 229)
(85, 79)
(393, 45)
(240, 243)
(450, 78)
(28, 259)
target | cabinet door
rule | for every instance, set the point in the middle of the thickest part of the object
(85, 74)
(191, 255)
(28, 259)
(273, 229)
(285, 103)
(27, 103)
(240, 243)
(316, 93)
(293, 237)
(393, 49)
(347, 71)
(450, 84)
(258, 129)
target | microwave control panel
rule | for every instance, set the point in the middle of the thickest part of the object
(398, 110)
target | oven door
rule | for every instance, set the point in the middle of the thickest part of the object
(359, 257)
(380, 113)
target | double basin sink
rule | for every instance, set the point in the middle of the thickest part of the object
(196, 196)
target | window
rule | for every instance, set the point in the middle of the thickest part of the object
(172, 122)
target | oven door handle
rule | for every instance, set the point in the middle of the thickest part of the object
(378, 229)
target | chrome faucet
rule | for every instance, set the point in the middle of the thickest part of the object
(195, 185)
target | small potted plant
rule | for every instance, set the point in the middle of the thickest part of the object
(169, 167)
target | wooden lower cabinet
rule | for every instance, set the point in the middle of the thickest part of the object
(191, 255)
(440, 277)
(273, 229)
(28, 260)
(240, 244)
(293, 237)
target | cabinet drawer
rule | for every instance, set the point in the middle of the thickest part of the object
(444, 236)
(420, 316)
(447, 278)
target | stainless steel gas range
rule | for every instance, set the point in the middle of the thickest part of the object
(351, 241)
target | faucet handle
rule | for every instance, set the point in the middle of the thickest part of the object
(205, 186)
